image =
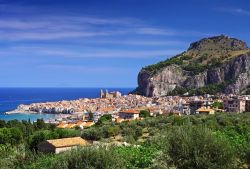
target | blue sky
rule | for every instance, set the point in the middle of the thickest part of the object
(97, 43)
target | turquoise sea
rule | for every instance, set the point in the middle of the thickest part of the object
(10, 98)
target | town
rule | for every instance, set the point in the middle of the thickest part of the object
(86, 112)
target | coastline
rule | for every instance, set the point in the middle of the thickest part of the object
(17, 111)
(15, 107)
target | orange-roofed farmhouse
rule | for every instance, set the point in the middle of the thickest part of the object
(155, 111)
(88, 124)
(62, 125)
(129, 114)
(71, 125)
(81, 124)
(204, 110)
(60, 145)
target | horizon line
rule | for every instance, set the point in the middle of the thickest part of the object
(64, 87)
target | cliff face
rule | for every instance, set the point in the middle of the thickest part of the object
(231, 66)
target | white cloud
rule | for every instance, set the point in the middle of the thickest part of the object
(83, 29)
(234, 10)
(139, 42)
(36, 51)
(154, 31)
(47, 27)
(22, 36)
(83, 69)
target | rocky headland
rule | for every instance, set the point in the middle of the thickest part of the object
(212, 65)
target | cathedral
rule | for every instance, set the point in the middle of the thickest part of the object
(109, 95)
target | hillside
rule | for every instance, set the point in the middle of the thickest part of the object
(220, 61)
(163, 142)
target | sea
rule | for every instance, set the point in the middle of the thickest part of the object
(10, 98)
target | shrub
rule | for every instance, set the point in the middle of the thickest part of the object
(197, 147)
(84, 158)
(11, 136)
(137, 157)
(92, 134)
(105, 118)
(144, 113)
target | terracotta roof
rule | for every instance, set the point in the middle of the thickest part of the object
(70, 125)
(88, 124)
(129, 111)
(107, 109)
(80, 123)
(153, 109)
(62, 125)
(204, 110)
(68, 142)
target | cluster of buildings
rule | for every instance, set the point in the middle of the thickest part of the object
(85, 112)
(128, 107)
(237, 104)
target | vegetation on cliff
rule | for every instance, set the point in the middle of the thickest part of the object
(205, 54)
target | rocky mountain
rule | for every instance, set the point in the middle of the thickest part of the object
(211, 65)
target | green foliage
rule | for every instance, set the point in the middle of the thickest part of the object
(144, 113)
(195, 68)
(195, 141)
(205, 54)
(197, 147)
(137, 157)
(179, 91)
(131, 132)
(92, 134)
(247, 152)
(40, 124)
(218, 105)
(83, 158)
(215, 62)
(152, 69)
(208, 89)
(113, 131)
(104, 118)
(2, 123)
(91, 116)
(194, 65)
(11, 136)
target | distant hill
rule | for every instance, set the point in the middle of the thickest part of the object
(210, 65)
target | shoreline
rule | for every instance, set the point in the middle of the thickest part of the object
(48, 118)
(17, 111)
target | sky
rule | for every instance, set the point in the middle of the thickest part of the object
(97, 43)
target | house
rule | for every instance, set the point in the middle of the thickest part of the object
(62, 125)
(204, 110)
(129, 114)
(70, 125)
(60, 145)
(81, 124)
(196, 104)
(185, 109)
(234, 105)
(155, 111)
(88, 124)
